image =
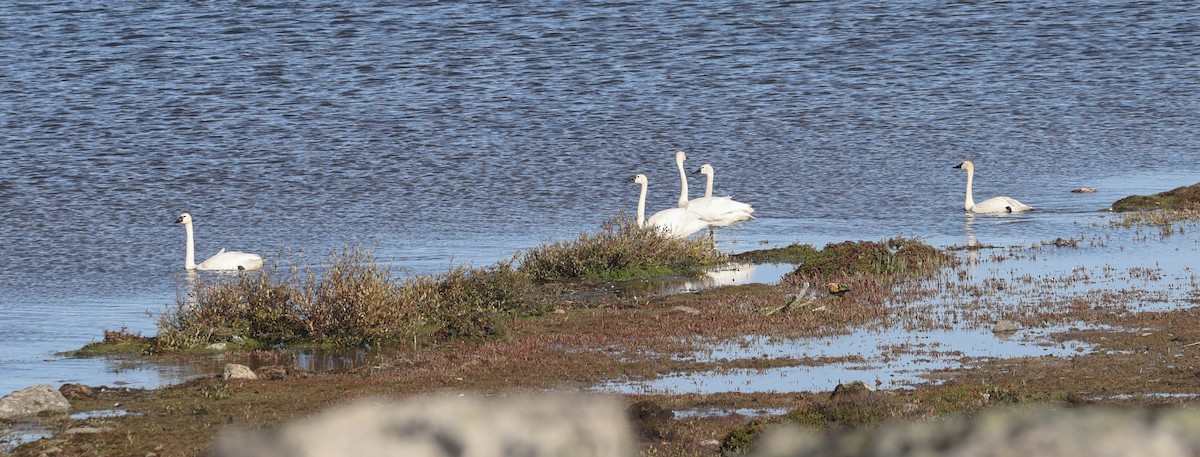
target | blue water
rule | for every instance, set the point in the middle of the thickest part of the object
(441, 134)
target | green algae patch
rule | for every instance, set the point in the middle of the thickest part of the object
(1186, 197)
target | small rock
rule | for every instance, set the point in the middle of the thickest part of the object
(855, 387)
(686, 309)
(1005, 327)
(33, 401)
(237, 339)
(560, 311)
(235, 371)
(837, 289)
(273, 372)
(1085, 190)
(217, 347)
(76, 391)
(710, 442)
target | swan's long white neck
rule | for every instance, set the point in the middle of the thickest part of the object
(970, 202)
(683, 186)
(189, 261)
(708, 187)
(641, 211)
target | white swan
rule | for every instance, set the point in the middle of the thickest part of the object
(991, 205)
(224, 260)
(717, 211)
(726, 208)
(674, 222)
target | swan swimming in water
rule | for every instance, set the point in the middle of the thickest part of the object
(991, 205)
(675, 222)
(224, 260)
(730, 210)
(717, 211)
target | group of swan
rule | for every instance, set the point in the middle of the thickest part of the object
(223, 260)
(692, 216)
(689, 217)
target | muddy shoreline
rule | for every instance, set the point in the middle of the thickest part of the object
(1109, 318)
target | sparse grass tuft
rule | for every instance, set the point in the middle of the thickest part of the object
(353, 302)
(259, 305)
(475, 303)
(1164, 219)
(619, 250)
(116, 342)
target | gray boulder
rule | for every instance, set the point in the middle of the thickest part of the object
(1025, 432)
(235, 371)
(449, 425)
(33, 401)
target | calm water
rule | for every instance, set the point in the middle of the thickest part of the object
(461, 133)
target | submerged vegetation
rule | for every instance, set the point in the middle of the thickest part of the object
(620, 250)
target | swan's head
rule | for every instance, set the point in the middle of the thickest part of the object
(680, 157)
(184, 218)
(705, 169)
(638, 179)
(966, 165)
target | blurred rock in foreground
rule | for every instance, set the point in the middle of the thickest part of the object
(449, 425)
(1027, 432)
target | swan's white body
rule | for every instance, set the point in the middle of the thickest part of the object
(675, 222)
(717, 211)
(991, 205)
(720, 211)
(223, 260)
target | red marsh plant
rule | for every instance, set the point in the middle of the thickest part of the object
(620, 250)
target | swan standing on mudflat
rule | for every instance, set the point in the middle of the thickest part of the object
(717, 211)
(674, 222)
(991, 205)
(224, 260)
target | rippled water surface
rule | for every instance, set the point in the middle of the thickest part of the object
(464, 132)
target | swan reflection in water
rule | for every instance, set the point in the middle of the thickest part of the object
(732, 274)
(972, 243)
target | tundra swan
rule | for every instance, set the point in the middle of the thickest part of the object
(674, 222)
(224, 260)
(991, 205)
(717, 211)
(728, 209)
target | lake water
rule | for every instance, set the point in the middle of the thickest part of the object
(442, 134)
